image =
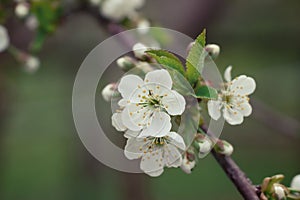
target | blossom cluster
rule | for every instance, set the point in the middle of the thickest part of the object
(147, 107)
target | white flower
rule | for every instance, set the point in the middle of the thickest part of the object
(119, 9)
(156, 152)
(213, 50)
(295, 184)
(108, 91)
(22, 9)
(4, 38)
(32, 64)
(187, 165)
(139, 50)
(234, 101)
(148, 104)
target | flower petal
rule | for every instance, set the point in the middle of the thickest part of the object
(128, 85)
(243, 85)
(245, 108)
(116, 120)
(172, 156)
(233, 117)
(134, 148)
(174, 103)
(132, 117)
(159, 126)
(176, 140)
(214, 109)
(161, 77)
(131, 134)
(227, 74)
(152, 163)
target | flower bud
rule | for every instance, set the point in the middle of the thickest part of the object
(188, 162)
(139, 50)
(31, 22)
(126, 63)
(32, 64)
(225, 148)
(144, 66)
(213, 50)
(108, 91)
(4, 38)
(22, 9)
(143, 26)
(279, 191)
(295, 184)
(203, 145)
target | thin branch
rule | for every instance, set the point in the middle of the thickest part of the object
(236, 175)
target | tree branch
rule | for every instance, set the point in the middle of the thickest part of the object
(236, 175)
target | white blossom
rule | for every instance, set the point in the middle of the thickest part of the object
(187, 165)
(149, 103)
(108, 91)
(32, 64)
(22, 9)
(156, 152)
(233, 102)
(119, 9)
(295, 184)
(4, 38)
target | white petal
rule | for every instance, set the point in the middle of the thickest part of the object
(176, 140)
(134, 148)
(245, 108)
(295, 184)
(233, 117)
(116, 120)
(172, 156)
(132, 117)
(187, 165)
(174, 103)
(128, 85)
(159, 126)
(243, 85)
(161, 77)
(131, 134)
(205, 147)
(227, 74)
(152, 163)
(214, 109)
(122, 103)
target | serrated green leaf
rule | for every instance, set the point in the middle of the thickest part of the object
(206, 92)
(167, 59)
(195, 59)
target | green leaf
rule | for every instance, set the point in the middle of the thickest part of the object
(167, 59)
(206, 92)
(195, 59)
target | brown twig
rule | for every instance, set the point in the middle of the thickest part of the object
(236, 175)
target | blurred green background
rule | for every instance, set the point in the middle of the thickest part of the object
(42, 157)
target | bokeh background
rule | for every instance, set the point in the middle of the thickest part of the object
(42, 157)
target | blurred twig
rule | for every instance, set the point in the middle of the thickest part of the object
(275, 120)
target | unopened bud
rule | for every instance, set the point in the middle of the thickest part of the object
(203, 145)
(145, 67)
(213, 50)
(22, 9)
(226, 148)
(32, 22)
(109, 91)
(139, 50)
(32, 64)
(126, 63)
(4, 38)
(279, 192)
(188, 162)
(143, 26)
